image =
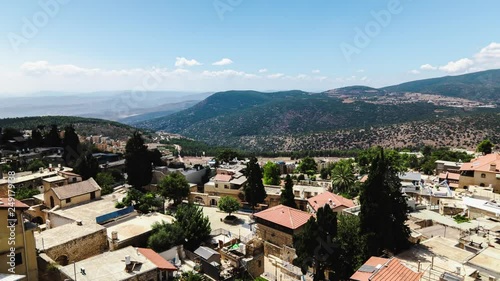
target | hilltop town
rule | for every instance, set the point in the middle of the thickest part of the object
(92, 208)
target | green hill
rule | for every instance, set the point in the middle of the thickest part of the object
(480, 86)
(84, 126)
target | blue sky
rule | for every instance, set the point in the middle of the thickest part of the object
(81, 46)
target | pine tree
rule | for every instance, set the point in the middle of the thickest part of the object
(287, 197)
(71, 144)
(86, 165)
(254, 190)
(52, 139)
(138, 162)
(383, 209)
(315, 246)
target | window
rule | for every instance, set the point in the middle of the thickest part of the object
(259, 263)
(226, 186)
(19, 259)
(68, 200)
(483, 176)
(216, 185)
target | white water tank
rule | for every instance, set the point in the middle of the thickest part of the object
(127, 259)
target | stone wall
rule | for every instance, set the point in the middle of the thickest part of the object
(274, 236)
(81, 248)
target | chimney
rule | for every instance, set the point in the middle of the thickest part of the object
(127, 260)
(78, 222)
(493, 167)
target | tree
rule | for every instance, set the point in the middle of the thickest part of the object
(71, 144)
(343, 176)
(36, 138)
(190, 276)
(155, 157)
(287, 197)
(138, 162)
(9, 133)
(308, 166)
(351, 247)
(485, 147)
(228, 204)
(174, 187)
(315, 245)
(272, 173)
(227, 155)
(52, 138)
(254, 189)
(164, 236)
(87, 165)
(144, 202)
(105, 181)
(195, 226)
(35, 165)
(384, 210)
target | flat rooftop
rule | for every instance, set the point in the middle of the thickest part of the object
(488, 259)
(37, 175)
(446, 257)
(54, 179)
(137, 225)
(63, 234)
(89, 211)
(109, 266)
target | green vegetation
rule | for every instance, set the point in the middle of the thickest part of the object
(190, 276)
(480, 86)
(228, 205)
(485, 147)
(461, 219)
(25, 193)
(137, 162)
(307, 166)
(106, 182)
(271, 173)
(287, 197)
(84, 126)
(35, 165)
(383, 209)
(315, 245)
(174, 187)
(343, 176)
(86, 165)
(254, 189)
(190, 228)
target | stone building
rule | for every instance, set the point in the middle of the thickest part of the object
(72, 242)
(21, 261)
(482, 171)
(72, 194)
(276, 226)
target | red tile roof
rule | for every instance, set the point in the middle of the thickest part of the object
(224, 178)
(285, 216)
(385, 270)
(158, 260)
(394, 270)
(320, 200)
(482, 163)
(362, 275)
(5, 203)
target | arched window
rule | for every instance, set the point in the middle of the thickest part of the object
(483, 176)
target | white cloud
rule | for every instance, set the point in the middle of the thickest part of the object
(275, 75)
(182, 62)
(263, 70)
(414, 71)
(461, 65)
(316, 71)
(427, 67)
(360, 70)
(228, 73)
(224, 61)
(487, 58)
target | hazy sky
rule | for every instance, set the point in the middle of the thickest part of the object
(211, 45)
